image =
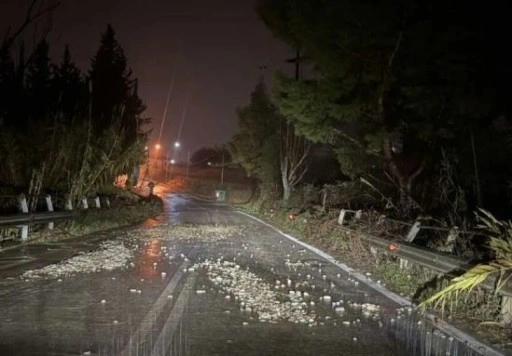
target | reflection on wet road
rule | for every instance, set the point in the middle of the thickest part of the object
(201, 280)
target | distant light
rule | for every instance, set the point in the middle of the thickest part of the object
(177, 144)
(209, 163)
(146, 148)
(157, 146)
(172, 161)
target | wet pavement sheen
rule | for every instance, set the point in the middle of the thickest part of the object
(159, 306)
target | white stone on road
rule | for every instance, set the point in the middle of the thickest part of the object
(255, 295)
(110, 255)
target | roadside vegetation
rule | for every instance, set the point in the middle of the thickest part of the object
(385, 116)
(66, 131)
(126, 208)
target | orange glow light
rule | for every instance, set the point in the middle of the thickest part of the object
(145, 261)
(157, 146)
(393, 247)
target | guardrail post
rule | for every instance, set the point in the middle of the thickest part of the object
(24, 232)
(343, 212)
(324, 198)
(506, 310)
(341, 217)
(415, 228)
(85, 205)
(451, 238)
(97, 203)
(49, 203)
(23, 206)
(22, 200)
(69, 204)
(49, 206)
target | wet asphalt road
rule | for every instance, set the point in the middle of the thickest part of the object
(157, 305)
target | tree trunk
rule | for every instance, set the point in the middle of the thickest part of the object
(404, 180)
(287, 190)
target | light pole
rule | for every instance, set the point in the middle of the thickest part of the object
(177, 145)
(146, 169)
(166, 165)
(157, 149)
(188, 162)
(222, 169)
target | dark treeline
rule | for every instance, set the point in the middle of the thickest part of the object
(65, 130)
(412, 97)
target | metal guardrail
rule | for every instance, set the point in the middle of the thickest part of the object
(441, 262)
(27, 217)
(35, 217)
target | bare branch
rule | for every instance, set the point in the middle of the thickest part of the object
(293, 154)
(395, 50)
(30, 17)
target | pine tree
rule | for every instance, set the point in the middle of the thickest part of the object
(7, 82)
(13, 106)
(109, 80)
(394, 81)
(132, 121)
(38, 83)
(68, 86)
(256, 146)
(114, 96)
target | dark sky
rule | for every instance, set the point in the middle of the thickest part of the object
(216, 45)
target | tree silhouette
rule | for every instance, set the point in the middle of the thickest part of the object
(68, 85)
(38, 83)
(109, 81)
(388, 91)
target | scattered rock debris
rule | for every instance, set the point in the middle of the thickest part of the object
(256, 296)
(190, 233)
(110, 255)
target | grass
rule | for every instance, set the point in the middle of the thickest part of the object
(117, 216)
(415, 282)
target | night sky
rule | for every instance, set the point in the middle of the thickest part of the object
(217, 48)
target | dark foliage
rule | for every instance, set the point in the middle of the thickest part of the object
(61, 129)
(403, 90)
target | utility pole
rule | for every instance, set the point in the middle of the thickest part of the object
(296, 60)
(188, 162)
(166, 165)
(222, 169)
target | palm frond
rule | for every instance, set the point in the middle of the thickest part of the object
(468, 281)
(501, 244)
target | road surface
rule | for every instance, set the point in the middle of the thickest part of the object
(202, 279)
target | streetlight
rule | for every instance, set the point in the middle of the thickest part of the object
(157, 148)
(173, 161)
(177, 145)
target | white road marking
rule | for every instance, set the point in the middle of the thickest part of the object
(146, 326)
(166, 337)
(444, 327)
